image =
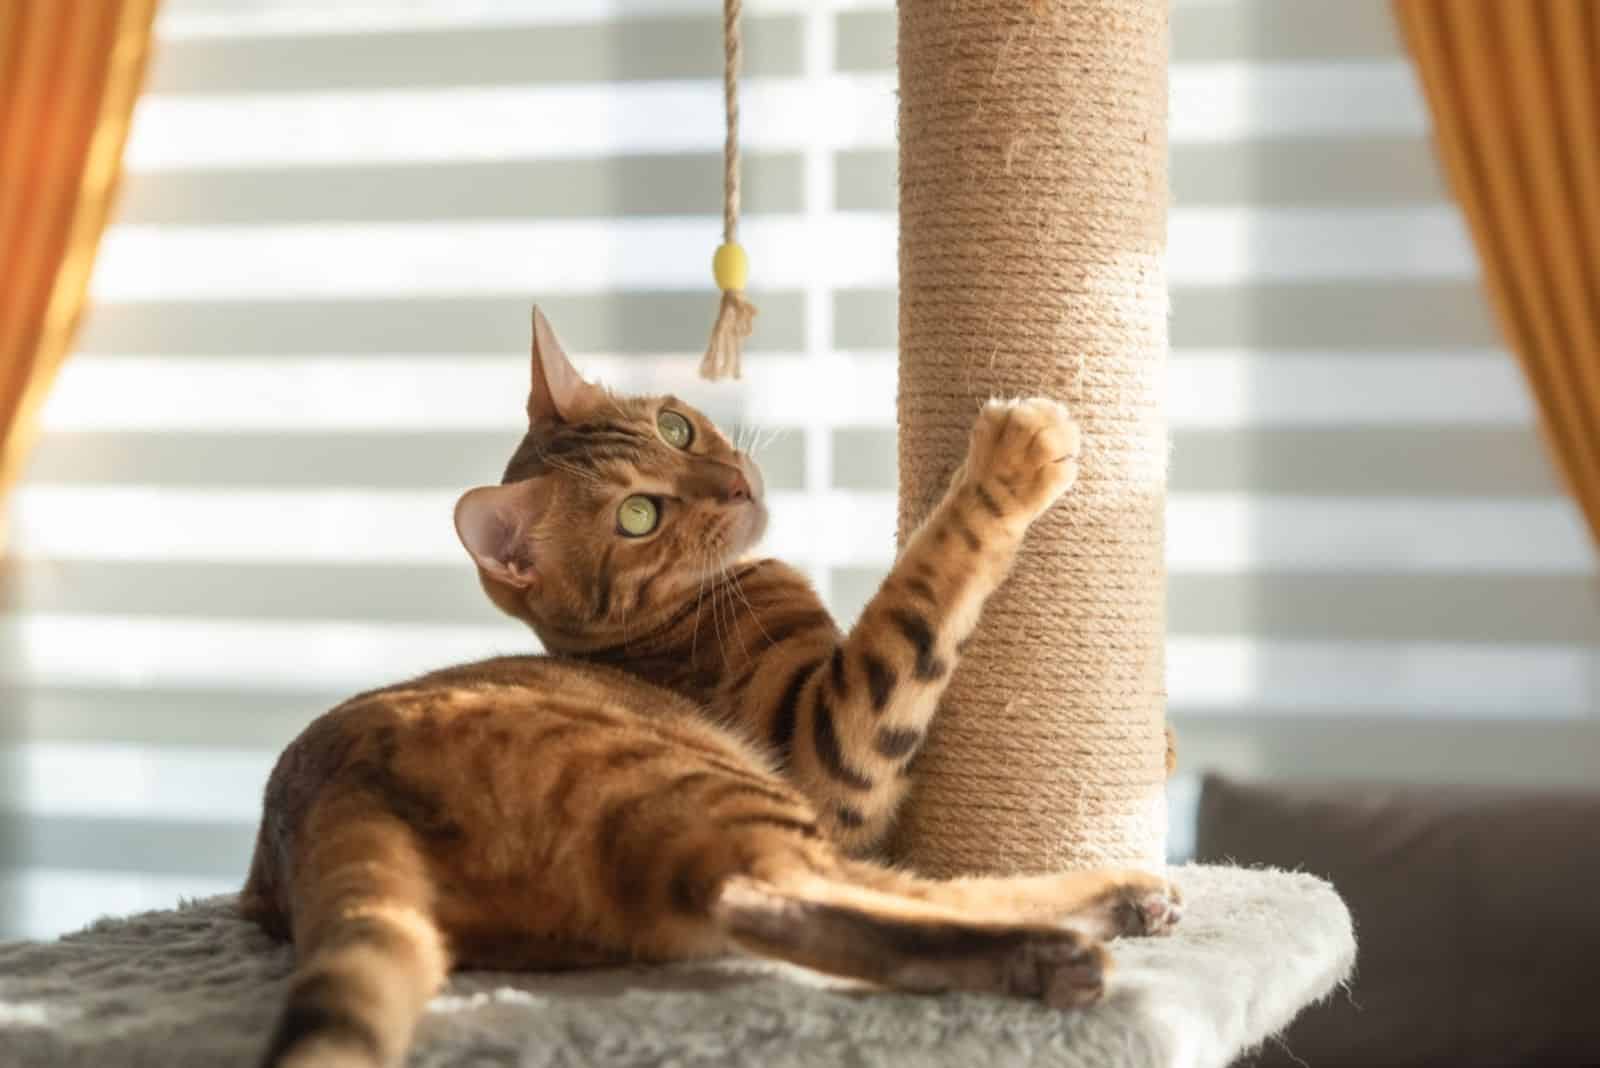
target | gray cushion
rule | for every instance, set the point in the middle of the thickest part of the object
(197, 987)
(1477, 912)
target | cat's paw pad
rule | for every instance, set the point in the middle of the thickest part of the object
(1146, 905)
(1024, 454)
(1065, 970)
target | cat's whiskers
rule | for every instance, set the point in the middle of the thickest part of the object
(738, 589)
(716, 608)
(722, 608)
(728, 577)
(721, 598)
(622, 612)
(699, 599)
(733, 609)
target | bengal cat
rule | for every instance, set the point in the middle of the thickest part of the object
(700, 764)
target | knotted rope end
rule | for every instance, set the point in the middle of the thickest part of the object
(735, 322)
(735, 318)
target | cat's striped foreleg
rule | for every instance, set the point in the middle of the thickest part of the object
(849, 717)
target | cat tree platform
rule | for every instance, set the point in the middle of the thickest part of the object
(199, 986)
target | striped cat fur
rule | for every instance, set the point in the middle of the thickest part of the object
(701, 763)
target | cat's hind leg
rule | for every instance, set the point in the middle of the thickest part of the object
(1029, 936)
(683, 847)
(695, 855)
(843, 929)
(1023, 936)
(1108, 903)
(368, 951)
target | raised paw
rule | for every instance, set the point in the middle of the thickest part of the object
(1024, 454)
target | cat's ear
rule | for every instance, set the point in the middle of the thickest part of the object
(558, 391)
(495, 525)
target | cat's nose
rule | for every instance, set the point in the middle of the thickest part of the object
(737, 488)
(753, 480)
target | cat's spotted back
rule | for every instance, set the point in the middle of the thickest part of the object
(696, 766)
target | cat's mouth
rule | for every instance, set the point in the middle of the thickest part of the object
(749, 520)
(750, 523)
(740, 530)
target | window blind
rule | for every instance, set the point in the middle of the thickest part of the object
(309, 333)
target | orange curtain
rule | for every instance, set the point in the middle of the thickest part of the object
(69, 73)
(1514, 88)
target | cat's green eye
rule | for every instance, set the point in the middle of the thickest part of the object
(638, 516)
(675, 429)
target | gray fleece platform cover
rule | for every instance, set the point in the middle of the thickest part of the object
(199, 986)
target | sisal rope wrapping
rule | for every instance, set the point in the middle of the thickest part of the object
(1033, 198)
(735, 315)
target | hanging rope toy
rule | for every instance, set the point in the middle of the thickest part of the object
(729, 266)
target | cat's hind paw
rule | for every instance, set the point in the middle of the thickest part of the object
(1062, 973)
(1146, 905)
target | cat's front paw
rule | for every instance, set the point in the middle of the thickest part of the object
(1024, 455)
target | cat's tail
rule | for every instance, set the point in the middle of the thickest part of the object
(369, 952)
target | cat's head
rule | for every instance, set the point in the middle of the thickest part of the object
(611, 507)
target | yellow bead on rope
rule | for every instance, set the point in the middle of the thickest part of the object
(730, 266)
(736, 315)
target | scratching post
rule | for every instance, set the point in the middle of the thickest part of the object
(1033, 199)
